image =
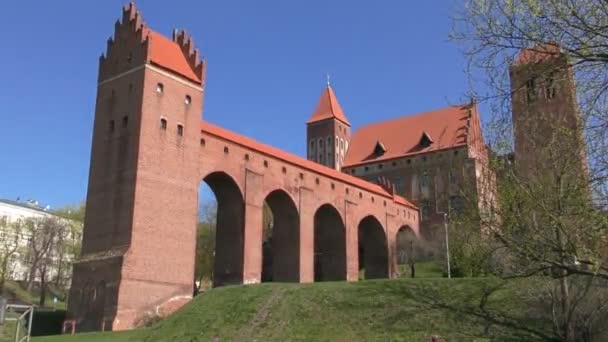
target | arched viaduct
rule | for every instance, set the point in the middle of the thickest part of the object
(139, 242)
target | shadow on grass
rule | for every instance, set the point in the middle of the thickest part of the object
(486, 309)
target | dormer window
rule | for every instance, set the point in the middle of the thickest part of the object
(425, 140)
(379, 149)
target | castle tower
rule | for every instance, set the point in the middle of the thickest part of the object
(143, 185)
(546, 118)
(328, 132)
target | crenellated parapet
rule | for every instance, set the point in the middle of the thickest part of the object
(191, 53)
(128, 47)
(135, 44)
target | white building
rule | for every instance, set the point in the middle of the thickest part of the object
(12, 211)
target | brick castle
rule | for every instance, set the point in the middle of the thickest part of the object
(335, 213)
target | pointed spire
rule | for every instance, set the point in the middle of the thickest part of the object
(328, 107)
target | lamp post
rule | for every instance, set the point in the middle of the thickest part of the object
(447, 243)
(445, 227)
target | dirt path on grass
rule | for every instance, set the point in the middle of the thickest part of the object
(246, 333)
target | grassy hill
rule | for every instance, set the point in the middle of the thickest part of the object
(386, 310)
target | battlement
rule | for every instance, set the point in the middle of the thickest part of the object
(134, 44)
(191, 53)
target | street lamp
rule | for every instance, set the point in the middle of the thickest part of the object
(445, 227)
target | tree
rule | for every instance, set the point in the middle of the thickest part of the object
(69, 244)
(42, 233)
(205, 245)
(552, 225)
(10, 236)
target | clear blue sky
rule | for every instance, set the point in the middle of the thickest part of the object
(267, 62)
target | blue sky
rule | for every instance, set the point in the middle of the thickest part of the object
(267, 62)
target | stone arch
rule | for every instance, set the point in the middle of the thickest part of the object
(230, 223)
(329, 244)
(281, 250)
(407, 248)
(373, 248)
(406, 243)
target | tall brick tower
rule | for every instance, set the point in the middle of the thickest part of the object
(328, 132)
(546, 117)
(142, 192)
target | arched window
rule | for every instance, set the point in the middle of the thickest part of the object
(188, 100)
(320, 142)
(125, 121)
(163, 124)
(160, 88)
(337, 142)
(328, 142)
(180, 130)
(111, 127)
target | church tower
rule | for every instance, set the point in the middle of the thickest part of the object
(142, 192)
(546, 117)
(328, 132)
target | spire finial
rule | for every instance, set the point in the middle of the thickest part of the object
(328, 80)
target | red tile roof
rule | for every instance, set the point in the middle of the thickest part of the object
(167, 54)
(328, 108)
(446, 128)
(300, 162)
(539, 53)
(177, 55)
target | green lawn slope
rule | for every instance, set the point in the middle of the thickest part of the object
(385, 310)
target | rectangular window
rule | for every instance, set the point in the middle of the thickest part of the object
(550, 86)
(425, 210)
(425, 179)
(398, 181)
(531, 90)
(456, 204)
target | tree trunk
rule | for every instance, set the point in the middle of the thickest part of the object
(32, 277)
(59, 270)
(568, 324)
(42, 285)
(3, 274)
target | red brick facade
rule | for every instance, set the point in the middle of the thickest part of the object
(150, 152)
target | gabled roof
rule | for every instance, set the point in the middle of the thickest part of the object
(446, 128)
(539, 53)
(328, 108)
(270, 151)
(167, 54)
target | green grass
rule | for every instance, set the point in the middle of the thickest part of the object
(383, 310)
(427, 269)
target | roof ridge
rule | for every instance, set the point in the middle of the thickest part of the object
(407, 116)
